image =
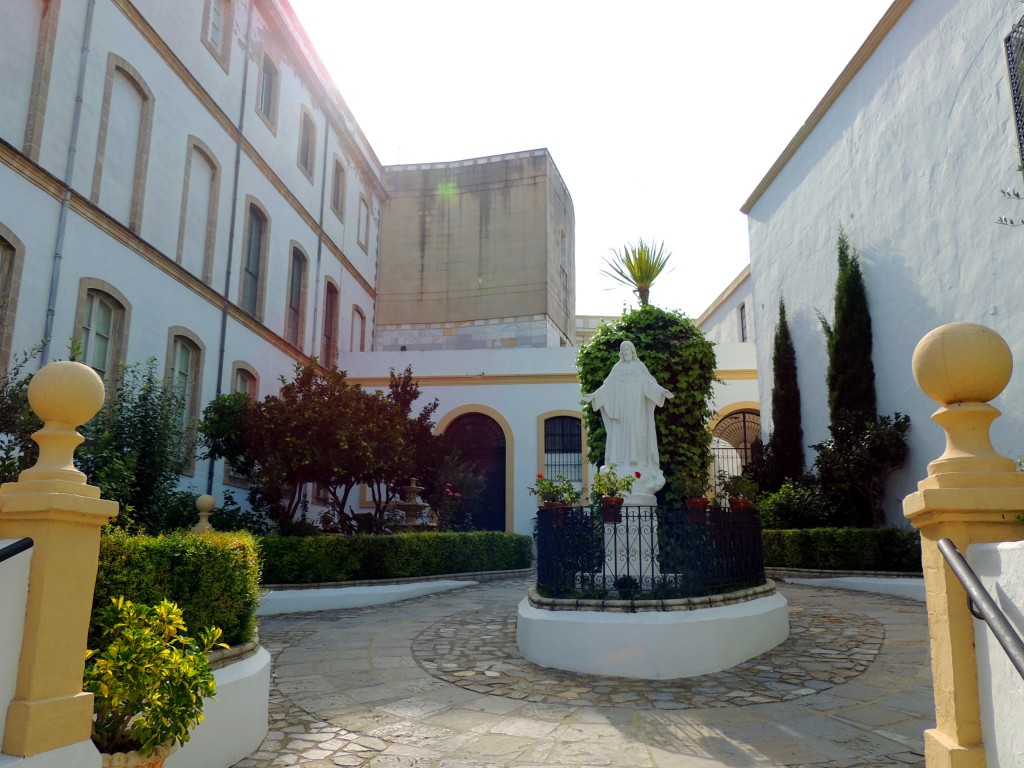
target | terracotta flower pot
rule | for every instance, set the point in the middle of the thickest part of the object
(135, 759)
(555, 513)
(696, 509)
(611, 507)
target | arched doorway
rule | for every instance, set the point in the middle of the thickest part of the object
(481, 441)
(732, 442)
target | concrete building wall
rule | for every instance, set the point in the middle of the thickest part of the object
(908, 154)
(472, 254)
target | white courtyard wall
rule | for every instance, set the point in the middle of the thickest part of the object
(909, 160)
(521, 385)
(722, 322)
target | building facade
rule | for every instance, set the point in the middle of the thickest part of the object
(907, 152)
(183, 182)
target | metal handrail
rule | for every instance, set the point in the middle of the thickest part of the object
(15, 548)
(982, 606)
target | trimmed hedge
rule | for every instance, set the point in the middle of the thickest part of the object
(213, 577)
(316, 559)
(844, 549)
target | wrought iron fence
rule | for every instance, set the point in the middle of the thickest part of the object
(648, 553)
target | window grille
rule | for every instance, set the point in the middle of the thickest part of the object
(563, 448)
(1015, 61)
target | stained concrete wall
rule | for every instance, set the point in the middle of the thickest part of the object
(476, 240)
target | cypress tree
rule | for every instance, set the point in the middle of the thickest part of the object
(786, 445)
(851, 374)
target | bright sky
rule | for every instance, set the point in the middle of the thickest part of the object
(661, 116)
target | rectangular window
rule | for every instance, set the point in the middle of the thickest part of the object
(293, 321)
(251, 267)
(268, 89)
(307, 145)
(743, 322)
(363, 233)
(338, 190)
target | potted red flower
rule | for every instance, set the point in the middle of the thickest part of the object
(611, 488)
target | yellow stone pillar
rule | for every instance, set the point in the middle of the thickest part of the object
(972, 495)
(52, 504)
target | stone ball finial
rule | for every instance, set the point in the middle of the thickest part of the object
(962, 363)
(205, 505)
(66, 392)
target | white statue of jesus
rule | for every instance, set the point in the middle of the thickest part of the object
(627, 400)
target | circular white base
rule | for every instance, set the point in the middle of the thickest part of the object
(652, 646)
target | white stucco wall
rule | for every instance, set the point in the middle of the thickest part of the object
(521, 385)
(909, 160)
(1000, 689)
(13, 599)
(721, 321)
(235, 720)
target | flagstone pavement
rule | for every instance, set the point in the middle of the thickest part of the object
(438, 682)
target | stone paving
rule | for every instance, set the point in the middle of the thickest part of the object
(437, 682)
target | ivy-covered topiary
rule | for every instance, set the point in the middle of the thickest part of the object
(682, 360)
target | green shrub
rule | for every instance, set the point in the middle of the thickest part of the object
(680, 359)
(316, 559)
(845, 549)
(796, 505)
(214, 577)
(149, 679)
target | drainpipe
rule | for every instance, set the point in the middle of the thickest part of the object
(313, 346)
(231, 229)
(65, 202)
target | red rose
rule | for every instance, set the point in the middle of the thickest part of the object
(540, 477)
(637, 475)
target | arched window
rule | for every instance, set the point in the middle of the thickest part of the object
(244, 379)
(296, 305)
(185, 375)
(363, 230)
(257, 236)
(307, 143)
(357, 342)
(267, 93)
(218, 16)
(199, 210)
(329, 342)
(12, 257)
(122, 154)
(101, 324)
(338, 189)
